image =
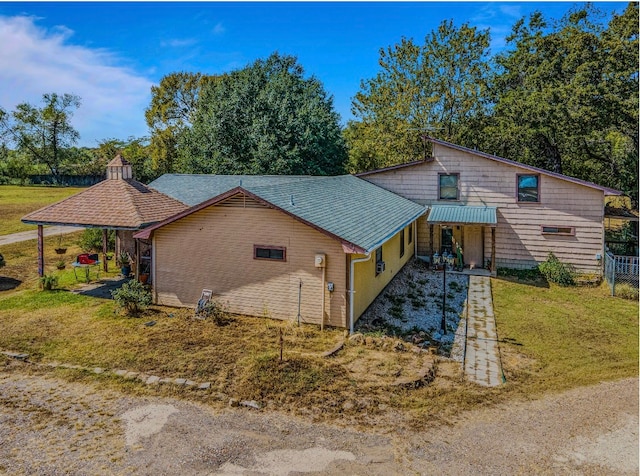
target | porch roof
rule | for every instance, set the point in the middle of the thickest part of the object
(463, 214)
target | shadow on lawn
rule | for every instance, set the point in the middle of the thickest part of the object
(7, 284)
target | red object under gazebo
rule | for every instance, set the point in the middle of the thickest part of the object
(118, 203)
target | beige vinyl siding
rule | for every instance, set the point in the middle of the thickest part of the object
(213, 249)
(519, 240)
(367, 284)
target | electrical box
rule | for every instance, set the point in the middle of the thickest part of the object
(321, 260)
(330, 287)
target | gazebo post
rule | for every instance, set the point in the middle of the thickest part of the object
(105, 239)
(40, 251)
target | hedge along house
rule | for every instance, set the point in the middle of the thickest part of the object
(318, 249)
(501, 212)
(118, 203)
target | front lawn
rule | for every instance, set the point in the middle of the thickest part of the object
(551, 338)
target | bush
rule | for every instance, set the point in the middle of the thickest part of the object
(215, 311)
(48, 282)
(133, 297)
(626, 291)
(92, 239)
(556, 271)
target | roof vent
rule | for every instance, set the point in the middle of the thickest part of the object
(291, 199)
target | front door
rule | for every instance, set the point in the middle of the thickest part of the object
(473, 246)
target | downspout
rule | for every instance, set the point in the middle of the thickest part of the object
(351, 290)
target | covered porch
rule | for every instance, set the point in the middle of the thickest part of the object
(463, 236)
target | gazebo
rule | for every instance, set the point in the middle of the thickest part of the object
(118, 203)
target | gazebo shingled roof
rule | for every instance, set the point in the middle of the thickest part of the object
(119, 202)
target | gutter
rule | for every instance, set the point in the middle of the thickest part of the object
(351, 284)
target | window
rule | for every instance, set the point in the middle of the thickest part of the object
(558, 230)
(528, 188)
(274, 253)
(401, 243)
(410, 233)
(379, 263)
(448, 186)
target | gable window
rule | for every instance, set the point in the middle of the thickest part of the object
(410, 233)
(529, 188)
(558, 230)
(401, 243)
(379, 262)
(273, 253)
(448, 186)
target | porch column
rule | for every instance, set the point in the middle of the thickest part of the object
(493, 249)
(105, 240)
(430, 240)
(40, 251)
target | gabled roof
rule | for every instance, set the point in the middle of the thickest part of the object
(121, 204)
(355, 212)
(606, 190)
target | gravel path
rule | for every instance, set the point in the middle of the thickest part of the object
(49, 426)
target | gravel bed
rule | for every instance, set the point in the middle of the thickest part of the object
(411, 305)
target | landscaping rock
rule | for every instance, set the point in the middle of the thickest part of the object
(180, 381)
(333, 351)
(98, 370)
(189, 383)
(346, 406)
(16, 355)
(250, 404)
(234, 402)
(204, 386)
(120, 372)
(153, 380)
(131, 375)
(356, 339)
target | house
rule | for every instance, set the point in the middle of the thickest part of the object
(500, 212)
(318, 249)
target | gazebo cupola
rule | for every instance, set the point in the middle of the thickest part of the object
(119, 169)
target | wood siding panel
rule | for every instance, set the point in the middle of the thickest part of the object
(213, 249)
(367, 284)
(519, 241)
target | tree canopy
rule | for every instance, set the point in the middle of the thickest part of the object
(43, 134)
(266, 118)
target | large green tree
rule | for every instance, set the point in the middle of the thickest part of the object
(566, 97)
(266, 118)
(44, 134)
(173, 106)
(436, 88)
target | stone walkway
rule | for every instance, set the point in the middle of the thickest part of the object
(482, 356)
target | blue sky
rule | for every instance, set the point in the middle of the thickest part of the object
(110, 54)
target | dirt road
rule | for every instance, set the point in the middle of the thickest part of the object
(50, 426)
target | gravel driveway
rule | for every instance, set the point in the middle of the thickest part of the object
(50, 426)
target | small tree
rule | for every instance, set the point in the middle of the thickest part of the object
(133, 297)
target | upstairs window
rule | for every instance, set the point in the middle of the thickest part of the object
(273, 253)
(529, 188)
(448, 186)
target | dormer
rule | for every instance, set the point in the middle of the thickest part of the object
(119, 169)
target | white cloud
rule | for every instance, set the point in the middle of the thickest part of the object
(179, 43)
(34, 61)
(219, 29)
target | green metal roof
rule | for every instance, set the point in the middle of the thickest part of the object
(349, 208)
(464, 214)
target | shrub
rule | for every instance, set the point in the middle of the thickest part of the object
(132, 296)
(556, 271)
(48, 282)
(626, 291)
(215, 311)
(92, 239)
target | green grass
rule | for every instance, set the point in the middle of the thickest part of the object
(19, 201)
(556, 337)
